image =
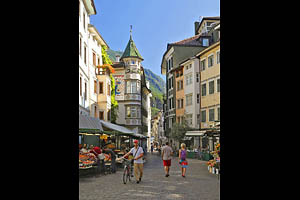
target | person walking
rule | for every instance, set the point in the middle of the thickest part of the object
(151, 148)
(182, 159)
(138, 154)
(166, 154)
(112, 155)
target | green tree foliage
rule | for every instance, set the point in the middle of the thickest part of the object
(178, 131)
(114, 103)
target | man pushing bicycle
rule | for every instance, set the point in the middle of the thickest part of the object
(138, 154)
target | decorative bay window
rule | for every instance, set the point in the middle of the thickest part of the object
(133, 111)
(132, 87)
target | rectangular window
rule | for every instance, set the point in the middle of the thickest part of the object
(189, 79)
(128, 112)
(178, 104)
(203, 90)
(80, 52)
(101, 115)
(189, 119)
(218, 57)
(218, 85)
(101, 88)
(205, 42)
(173, 103)
(108, 90)
(178, 85)
(95, 86)
(132, 111)
(80, 86)
(95, 112)
(189, 99)
(197, 77)
(94, 59)
(85, 91)
(198, 98)
(181, 103)
(131, 87)
(211, 87)
(98, 60)
(219, 113)
(83, 20)
(198, 119)
(210, 61)
(170, 122)
(211, 115)
(108, 115)
(202, 65)
(85, 54)
(203, 116)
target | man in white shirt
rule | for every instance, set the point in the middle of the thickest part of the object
(166, 156)
(138, 154)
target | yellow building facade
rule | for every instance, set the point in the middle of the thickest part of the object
(210, 85)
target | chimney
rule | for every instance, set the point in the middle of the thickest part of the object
(196, 27)
(117, 58)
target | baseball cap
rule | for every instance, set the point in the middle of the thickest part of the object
(136, 141)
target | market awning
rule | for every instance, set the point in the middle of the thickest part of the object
(187, 138)
(108, 127)
(89, 124)
(138, 135)
(195, 133)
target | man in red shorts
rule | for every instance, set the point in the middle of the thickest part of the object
(166, 154)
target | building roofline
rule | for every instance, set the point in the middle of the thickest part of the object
(101, 38)
(207, 18)
(90, 12)
(208, 48)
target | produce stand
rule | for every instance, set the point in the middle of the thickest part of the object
(87, 164)
(214, 164)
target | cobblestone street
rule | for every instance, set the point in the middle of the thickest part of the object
(198, 184)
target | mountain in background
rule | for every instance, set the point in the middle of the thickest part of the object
(112, 54)
(157, 84)
(157, 87)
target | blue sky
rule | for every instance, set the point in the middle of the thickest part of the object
(154, 24)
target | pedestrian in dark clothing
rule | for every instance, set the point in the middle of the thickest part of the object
(113, 159)
(151, 148)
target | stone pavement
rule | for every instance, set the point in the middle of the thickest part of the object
(199, 183)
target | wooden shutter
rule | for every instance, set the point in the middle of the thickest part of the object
(95, 86)
(80, 88)
(85, 54)
(85, 91)
(80, 47)
(94, 59)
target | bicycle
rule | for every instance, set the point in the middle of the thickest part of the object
(127, 170)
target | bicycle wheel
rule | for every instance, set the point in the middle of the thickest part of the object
(125, 175)
(128, 174)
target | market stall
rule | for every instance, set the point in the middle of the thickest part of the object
(194, 136)
(118, 139)
(90, 130)
(214, 164)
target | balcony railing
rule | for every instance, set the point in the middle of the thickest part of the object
(135, 122)
(134, 97)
